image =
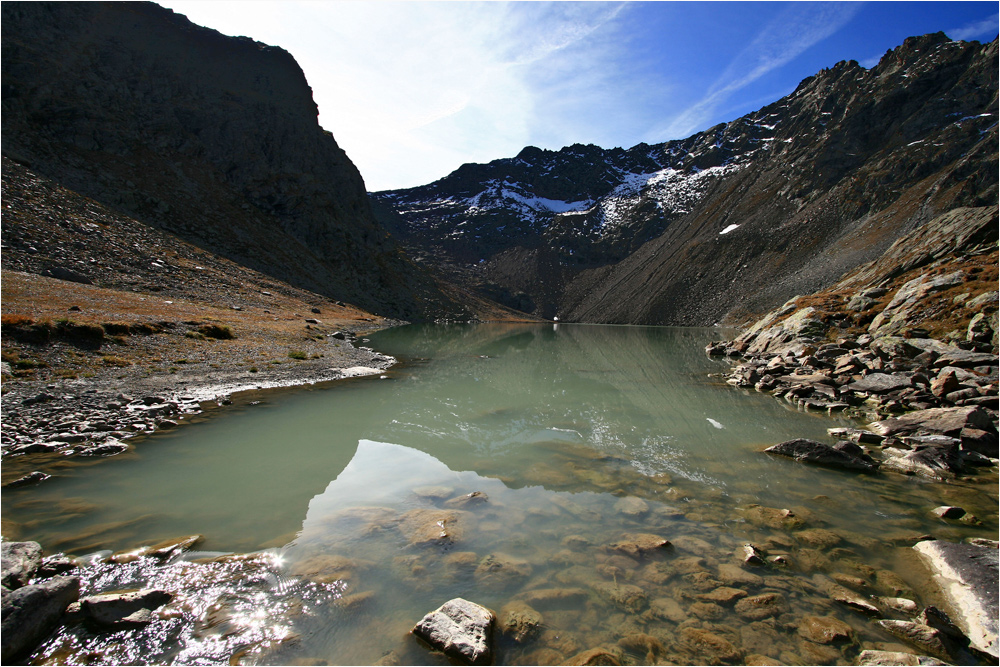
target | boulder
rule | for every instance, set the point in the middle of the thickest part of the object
(20, 561)
(31, 612)
(460, 629)
(811, 451)
(968, 576)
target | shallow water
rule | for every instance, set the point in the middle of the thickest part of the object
(573, 436)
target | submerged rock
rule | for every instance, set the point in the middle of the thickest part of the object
(461, 629)
(519, 621)
(640, 544)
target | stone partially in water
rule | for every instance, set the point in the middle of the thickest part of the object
(818, 453)
(461, 630)
(734, 575)
(123, 609)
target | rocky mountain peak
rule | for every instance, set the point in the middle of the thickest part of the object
(729, 220)
(212, 138)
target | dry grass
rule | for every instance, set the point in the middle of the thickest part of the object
(142, 329)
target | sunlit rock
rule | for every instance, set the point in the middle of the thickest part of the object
(461, 630)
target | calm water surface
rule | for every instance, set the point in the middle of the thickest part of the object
(572, 438)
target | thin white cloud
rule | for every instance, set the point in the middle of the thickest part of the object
(981, 30)
(793, 31)
(411, 90)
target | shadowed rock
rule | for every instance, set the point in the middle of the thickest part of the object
(817, 453)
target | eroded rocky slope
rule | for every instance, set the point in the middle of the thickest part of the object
(731, 221)
(212, 138)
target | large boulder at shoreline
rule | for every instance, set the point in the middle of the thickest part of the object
(968, 576)
(20, 561)
(31, 612)
(462, 630)
(811, 451)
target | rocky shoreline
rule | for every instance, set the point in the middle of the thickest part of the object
(100, 417)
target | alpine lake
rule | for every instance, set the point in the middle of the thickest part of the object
(520, 467)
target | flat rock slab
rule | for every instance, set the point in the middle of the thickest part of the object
(968, 575)
(877, 383)
(946, 421)
(895, 659)
(461, 629)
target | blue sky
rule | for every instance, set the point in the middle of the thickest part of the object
(412, 90)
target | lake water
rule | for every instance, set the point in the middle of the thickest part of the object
(510, 465)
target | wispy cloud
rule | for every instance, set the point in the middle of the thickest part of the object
(793, 31)
(981, 30)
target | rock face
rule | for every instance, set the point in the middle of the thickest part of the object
(212, 138)
(730, 221)
(463, 630)
(967, 574)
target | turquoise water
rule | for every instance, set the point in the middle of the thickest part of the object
(570, 437)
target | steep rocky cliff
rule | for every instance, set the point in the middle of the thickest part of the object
(210, 137)
(731, 221)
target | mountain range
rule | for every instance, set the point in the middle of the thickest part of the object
(215, 140)
(730, 221)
